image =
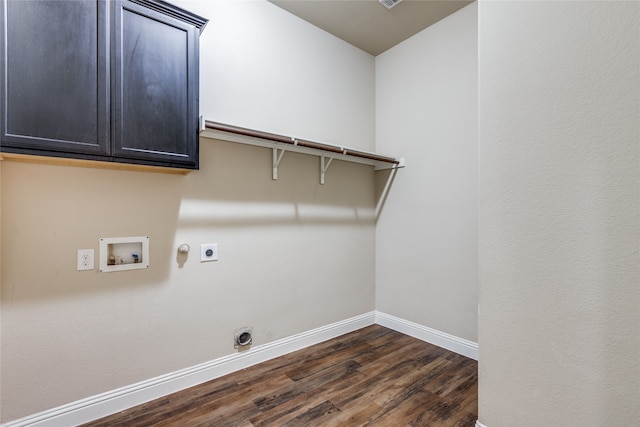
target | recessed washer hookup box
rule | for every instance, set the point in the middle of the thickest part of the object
(124, 253)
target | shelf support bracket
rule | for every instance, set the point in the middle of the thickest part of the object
(277, 156)
(323, 167)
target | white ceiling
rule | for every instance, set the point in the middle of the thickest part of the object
(369, 25)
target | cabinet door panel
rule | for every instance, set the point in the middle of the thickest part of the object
(155, 99)
(55, 75)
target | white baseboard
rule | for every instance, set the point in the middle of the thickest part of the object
(479, 424)
(111, 402)
(114, 401)
(441, 339)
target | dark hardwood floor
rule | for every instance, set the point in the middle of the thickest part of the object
(371, 377)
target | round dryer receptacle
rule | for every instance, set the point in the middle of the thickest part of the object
(243, 338)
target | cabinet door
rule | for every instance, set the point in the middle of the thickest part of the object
(155, 86)
(54, 73)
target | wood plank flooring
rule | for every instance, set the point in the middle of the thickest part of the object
(371, 377)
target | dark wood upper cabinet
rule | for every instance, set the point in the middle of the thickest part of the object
(155, 87)
(55, 76)
(101, 80)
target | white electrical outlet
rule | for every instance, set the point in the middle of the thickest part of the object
(85, 259)
(209, 252)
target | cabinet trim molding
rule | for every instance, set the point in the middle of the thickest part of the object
(94, 164)
(174, 11)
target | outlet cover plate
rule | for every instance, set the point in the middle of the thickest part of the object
(85, 259)
(208, 252)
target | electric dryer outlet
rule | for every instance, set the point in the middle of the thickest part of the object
(208, 252)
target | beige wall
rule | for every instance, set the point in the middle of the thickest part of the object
(427, 234)
(262, 67)
(559, 327)
(294, 255)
